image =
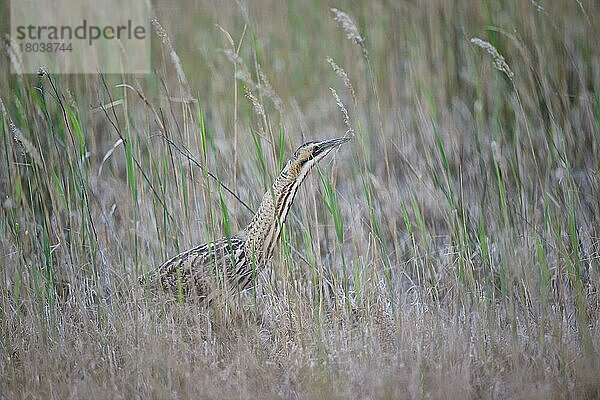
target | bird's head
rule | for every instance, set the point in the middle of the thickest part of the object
(310, 153)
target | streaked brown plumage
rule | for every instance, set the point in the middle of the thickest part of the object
(231, 263)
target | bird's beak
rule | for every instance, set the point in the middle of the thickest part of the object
(331, 143)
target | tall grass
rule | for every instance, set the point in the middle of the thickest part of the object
(449, 251)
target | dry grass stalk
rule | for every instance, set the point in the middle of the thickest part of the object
(242, 72)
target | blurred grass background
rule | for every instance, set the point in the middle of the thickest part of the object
(449, 251)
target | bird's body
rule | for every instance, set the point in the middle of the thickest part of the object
(201, 270)
(229, 264)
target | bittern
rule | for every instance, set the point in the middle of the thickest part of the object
(231, 263)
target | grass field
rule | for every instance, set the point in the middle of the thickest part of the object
(451, 250)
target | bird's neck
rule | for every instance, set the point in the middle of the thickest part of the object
(265, 228)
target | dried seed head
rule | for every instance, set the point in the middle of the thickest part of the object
(499, 61)
(268, 90)
(263, 85)
(348, 26)
(18, 137)
(14, 55)
(242, 72)
(258, 108)
(26, 146)
(166, 41)
(497, 155)
(158, 29)
(339, 71)
(346, 117)
(350, 29)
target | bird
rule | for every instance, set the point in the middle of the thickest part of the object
(231, 263)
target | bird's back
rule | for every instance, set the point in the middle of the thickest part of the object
(205, 270)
